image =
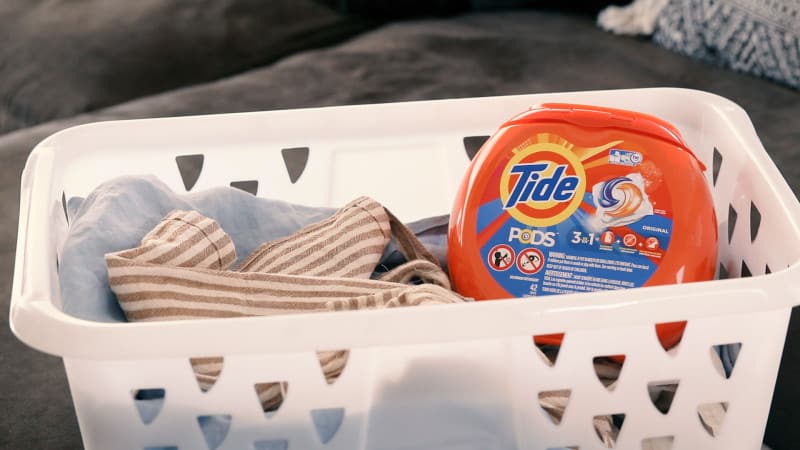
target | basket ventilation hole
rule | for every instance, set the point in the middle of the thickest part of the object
(189, 167)
(207, 370)
(215, 428)
(711, 416)
(608, 428)
(662, 393)
(732, 216)
(250, 186)
(670, 335)
(658, 443)
(723, 272)
(327, 422)
(474, 143)
(162, 447)
(279, 444)
(295, 160)
(608, 368)
(64, 206)
(746, 270)
(58, 265)
(724, 357)
(755, 221)
(271, 396)
(148, 403)
(546, 346)
(332, 364)
(554, 403)
(717, 164)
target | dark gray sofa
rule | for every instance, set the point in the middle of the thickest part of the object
(240, 56)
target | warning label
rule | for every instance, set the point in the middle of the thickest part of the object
(530, 261)
(571, 273)
(500, 257)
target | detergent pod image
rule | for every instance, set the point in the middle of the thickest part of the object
(571, 198)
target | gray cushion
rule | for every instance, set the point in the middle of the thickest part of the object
(416, 8)
(63, 57)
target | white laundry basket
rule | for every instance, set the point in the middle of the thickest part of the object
(444, 377)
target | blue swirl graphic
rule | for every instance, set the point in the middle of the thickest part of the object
(607, 199)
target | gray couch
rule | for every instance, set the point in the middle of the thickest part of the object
(66, 66)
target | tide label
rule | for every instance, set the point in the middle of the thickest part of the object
(561, 218)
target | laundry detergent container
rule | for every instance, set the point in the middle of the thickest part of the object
(579, 198)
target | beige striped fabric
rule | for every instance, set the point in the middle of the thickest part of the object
(182, 270)
(348, 244)
(206, 370)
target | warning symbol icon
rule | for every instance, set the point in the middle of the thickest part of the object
(500, 257)
(530, 261)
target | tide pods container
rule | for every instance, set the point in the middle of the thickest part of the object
(574, 198)
(441, 377)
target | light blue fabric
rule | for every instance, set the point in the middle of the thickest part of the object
(149, 403)
(327, 422)
(118, 213)
(215, 429)
(728, 354)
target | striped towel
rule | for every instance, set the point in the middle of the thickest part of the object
(182, 270)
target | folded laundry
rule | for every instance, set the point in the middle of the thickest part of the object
(103, 223)
(183, 270)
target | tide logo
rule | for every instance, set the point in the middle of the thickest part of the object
(543, 184)
(531, 186)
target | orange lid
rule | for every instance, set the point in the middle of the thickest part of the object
(589, 117)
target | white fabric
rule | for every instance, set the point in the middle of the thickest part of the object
(638, 17)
